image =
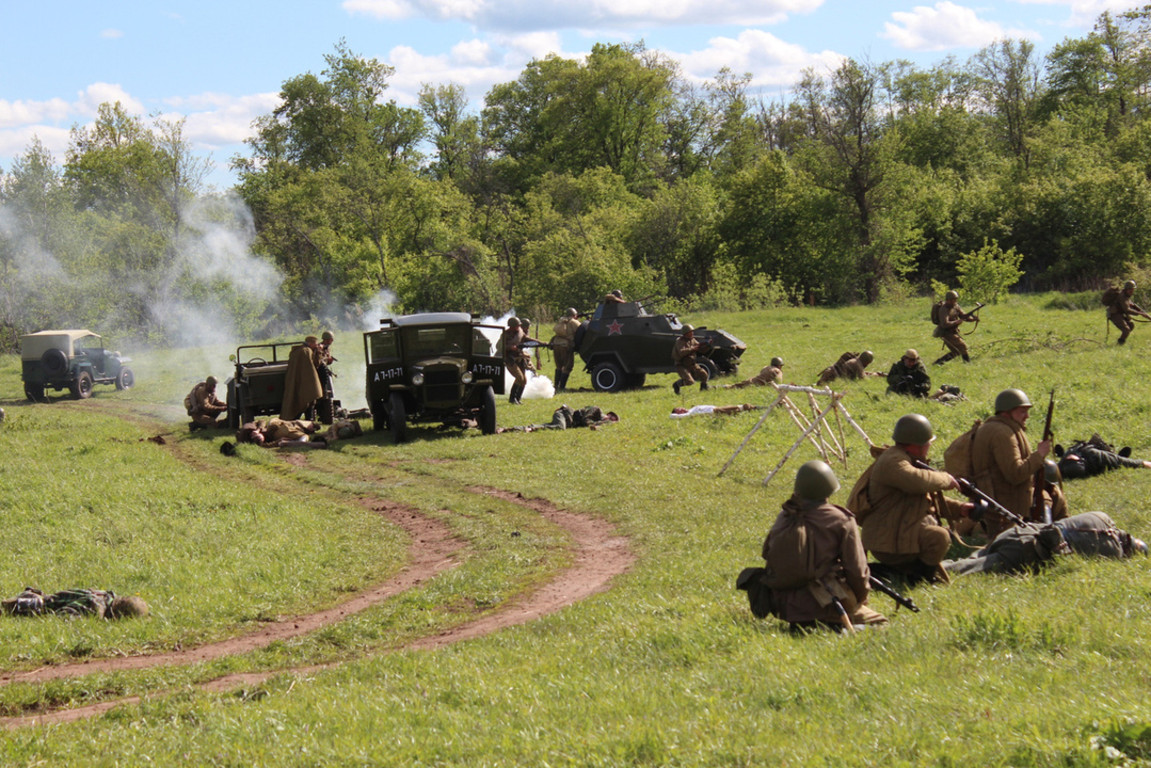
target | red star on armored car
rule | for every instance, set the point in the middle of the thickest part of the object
(614, 328)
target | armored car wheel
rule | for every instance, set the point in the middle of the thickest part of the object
(82, 386)
(398, 417)
(607, 377)
(488, 412)
(709, 365)
(126, 379)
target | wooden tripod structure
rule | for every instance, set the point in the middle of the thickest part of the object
(817, 429)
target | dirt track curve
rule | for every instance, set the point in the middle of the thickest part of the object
(599, 556)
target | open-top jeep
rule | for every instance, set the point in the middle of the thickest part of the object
(257, 387)
(72, 359)
(439, 366)
(622, 343)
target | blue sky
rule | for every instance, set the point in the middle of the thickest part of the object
(220, 64)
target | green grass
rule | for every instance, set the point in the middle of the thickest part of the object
(667, 668)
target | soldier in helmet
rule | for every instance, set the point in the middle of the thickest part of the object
(683, 355)
(1120, 309)
(516, 359)
(563, 346)
(768, 374)
(325, 405)
(1003, 464)
(816, 567)
(948, 318)
(203, 406)
(908, 376)
(850, 365)
(903, 527)
(615, 297)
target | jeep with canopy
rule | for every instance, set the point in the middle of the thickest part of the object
(70, 359)
(623, 342)
(439, 366)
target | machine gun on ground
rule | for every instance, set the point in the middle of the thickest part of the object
(983, 502)
(879, 585)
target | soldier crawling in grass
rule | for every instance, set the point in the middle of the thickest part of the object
(849, 366)
(768, 374)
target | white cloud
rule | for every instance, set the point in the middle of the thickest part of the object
(591, 14)
(414, 69)
(111, 34)
(89, 100)
(17, 113)
(1085, 12)
(942, 26)
(771, 61)
(214, 120)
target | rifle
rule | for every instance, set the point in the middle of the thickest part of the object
(973, 315)
(879, 585)
(1039, 510)
(981, 499)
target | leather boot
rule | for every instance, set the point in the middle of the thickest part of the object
(703, 386)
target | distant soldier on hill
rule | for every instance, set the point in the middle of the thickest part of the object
(768, 374)
(849, 366)
(908, 376)
(683, 355)
(948, 316)
(1120, 309)
(563, 347)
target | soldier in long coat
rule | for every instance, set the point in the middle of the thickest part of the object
(302, 386)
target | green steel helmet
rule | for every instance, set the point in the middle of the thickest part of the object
(866, 357)
(211, 381)
(913, 429)
(951, 296)
(688, 328)
(1051, 472)
(777, 362)
(124, 607)
(1010, 399)
(1129, 286)
(513, 322)
(572, 312)
(815, 481)
(327, 336)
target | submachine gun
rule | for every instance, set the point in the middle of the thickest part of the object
(879, 585)
(1039, 509)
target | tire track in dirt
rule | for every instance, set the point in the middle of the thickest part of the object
(600, 555)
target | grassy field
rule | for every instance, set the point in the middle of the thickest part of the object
(666, 668)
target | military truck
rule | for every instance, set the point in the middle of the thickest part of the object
(70, 359)
(623, 342)
(440, 366)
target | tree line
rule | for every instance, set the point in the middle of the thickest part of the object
(615, 171)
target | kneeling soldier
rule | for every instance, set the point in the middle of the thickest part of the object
(816, 567)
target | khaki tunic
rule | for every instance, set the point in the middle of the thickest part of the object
(847, 367)
(291, 429)
(907, 507)
(563, 345)
(203, 405)
(767, 374)
(683, 355)
(515, 361)
(1003, 463)
(948, 329)
(834, 559)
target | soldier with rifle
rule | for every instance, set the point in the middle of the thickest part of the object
(683, 354)
(948, 316)
(1120, 309)
(1004, 465)
(901, 506)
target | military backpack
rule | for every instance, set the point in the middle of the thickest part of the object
(957, 456)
